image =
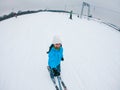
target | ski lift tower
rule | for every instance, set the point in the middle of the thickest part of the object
(84, 4)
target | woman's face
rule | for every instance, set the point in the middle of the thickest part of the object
(57, 45)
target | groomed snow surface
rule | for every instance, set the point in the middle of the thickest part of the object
(91, 52)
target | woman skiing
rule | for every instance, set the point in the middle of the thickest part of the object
(55, 56)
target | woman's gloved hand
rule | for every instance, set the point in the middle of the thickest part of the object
(62, 59)
(55, 72)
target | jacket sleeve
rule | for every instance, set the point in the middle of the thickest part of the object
(62, 57)
(51, 62)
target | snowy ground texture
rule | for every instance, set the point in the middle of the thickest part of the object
(91, 52)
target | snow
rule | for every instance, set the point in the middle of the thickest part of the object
(91, 52)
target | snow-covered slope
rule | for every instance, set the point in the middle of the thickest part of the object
(91, 52)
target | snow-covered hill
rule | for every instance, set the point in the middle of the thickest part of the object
(91, 52)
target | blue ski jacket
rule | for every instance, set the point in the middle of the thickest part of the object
(54, 57)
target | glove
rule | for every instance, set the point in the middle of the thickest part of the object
(62, 59)
(55, 72)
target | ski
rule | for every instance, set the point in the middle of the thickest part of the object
(63, 84)
(59, 82)
(55, 84)
(52, 78)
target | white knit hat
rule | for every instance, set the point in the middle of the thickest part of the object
(56, 40)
